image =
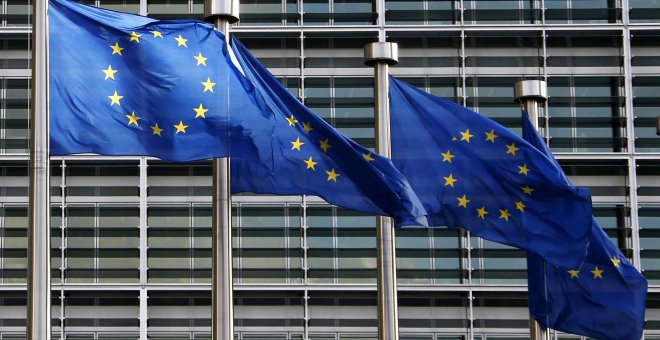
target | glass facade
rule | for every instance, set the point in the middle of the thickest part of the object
(131, 248)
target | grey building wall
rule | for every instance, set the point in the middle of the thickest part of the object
(131, 236)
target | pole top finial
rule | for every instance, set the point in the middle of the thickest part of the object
(531, 89)
(378, 52)
(223, 9)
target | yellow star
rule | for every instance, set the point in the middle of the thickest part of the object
(201, 60)
(616, 261)
(116, 49)
(292, 121)
(208, 85)
(332, 175)
(505, 214)
(511, 149)
(490, 136)
(156, 129)
(520, 206)
(528, 190)
(133, 119)
(200, 111)
(447, 156)
(297, 144)
(180, 127)
(598, 273)
(181, 40)
(463, 201)
(157, 34)
(115, 98)
(466, 135)
(135, 37)
(453, 138)
(450, 180)
(307, 127)
(325, 145)
(481, 212)
(574, 273)
(310, 163)
(109, 73)
(524, 170)
(367, 157)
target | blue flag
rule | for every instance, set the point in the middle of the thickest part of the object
(472, 172)
(311, 157)
(122, 84)
(604, 298)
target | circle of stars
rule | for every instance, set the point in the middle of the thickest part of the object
(133, 119)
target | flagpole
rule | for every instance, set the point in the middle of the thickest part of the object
(381, 55)
(222, 13)
(38, 290)
(530, 94)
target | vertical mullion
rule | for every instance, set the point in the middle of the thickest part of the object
(143, 7)
(191, 243)
(97, 236)
(625, 12)
(544, 65)
(573, 114)
(380, 19)
(304, 244)
(65, 245)
(287, 245)
(335, 245)
(471, 313)
(3, 234)
(62, 240)
(630, 132)
(333, 93)
(239, 239)
(4, 10)
(301, 13)
(143, 271)
(3, 112)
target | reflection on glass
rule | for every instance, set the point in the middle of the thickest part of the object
(168, 9)
(498, 12)
(128, 6)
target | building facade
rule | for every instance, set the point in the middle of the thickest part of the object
(131, 250)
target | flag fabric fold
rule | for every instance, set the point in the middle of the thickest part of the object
(603, 298)
(311, 157)
(123, 84)
(472, 172)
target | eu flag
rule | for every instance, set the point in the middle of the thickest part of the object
(472, 172)
(123, 84)
(311, 157)
(603, 298)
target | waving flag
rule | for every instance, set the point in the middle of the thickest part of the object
(603, 298)
(472, 172)
(123, 84)
(170, 89)
(311, 157)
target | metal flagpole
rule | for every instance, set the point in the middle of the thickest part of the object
(381, 55)
(38, 291)
(531, 94)
(222, 13)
